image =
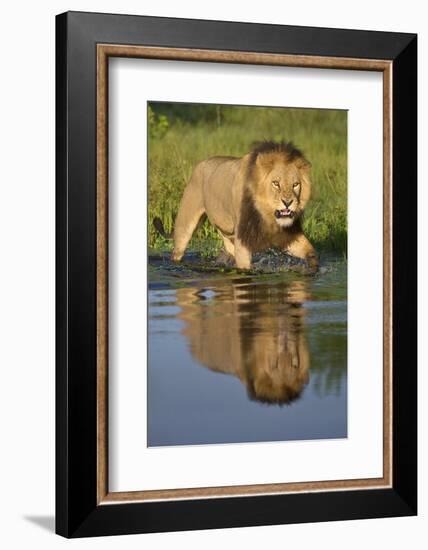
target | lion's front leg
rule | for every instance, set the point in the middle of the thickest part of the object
(242, 255)
(301, 247)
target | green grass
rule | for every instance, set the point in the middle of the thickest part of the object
(180, 135)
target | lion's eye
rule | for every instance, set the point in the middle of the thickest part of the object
(275, 183)
(296, 184)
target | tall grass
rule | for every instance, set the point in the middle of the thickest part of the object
(180, 135)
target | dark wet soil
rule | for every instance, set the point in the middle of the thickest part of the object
(269, 262)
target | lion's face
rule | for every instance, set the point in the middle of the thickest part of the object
(282, 188)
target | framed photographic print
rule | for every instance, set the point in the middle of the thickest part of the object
(236, 274)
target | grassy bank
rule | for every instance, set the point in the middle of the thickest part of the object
(180, 135)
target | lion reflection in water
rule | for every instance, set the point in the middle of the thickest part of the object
(252, 331)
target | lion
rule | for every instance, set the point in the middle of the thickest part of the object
(253, 332)
(255, 202)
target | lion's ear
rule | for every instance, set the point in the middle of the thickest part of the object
(304, 164)
(265, 161)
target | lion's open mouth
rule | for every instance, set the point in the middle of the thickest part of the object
(284, 213)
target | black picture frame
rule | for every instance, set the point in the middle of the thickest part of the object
(77, 511)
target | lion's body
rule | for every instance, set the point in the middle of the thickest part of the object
(238, 197)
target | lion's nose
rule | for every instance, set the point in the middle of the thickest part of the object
(288, 203)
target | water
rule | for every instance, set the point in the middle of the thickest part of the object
(239, 358)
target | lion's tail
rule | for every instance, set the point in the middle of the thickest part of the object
(158, 225)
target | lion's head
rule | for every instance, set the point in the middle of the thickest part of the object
(278, 181)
